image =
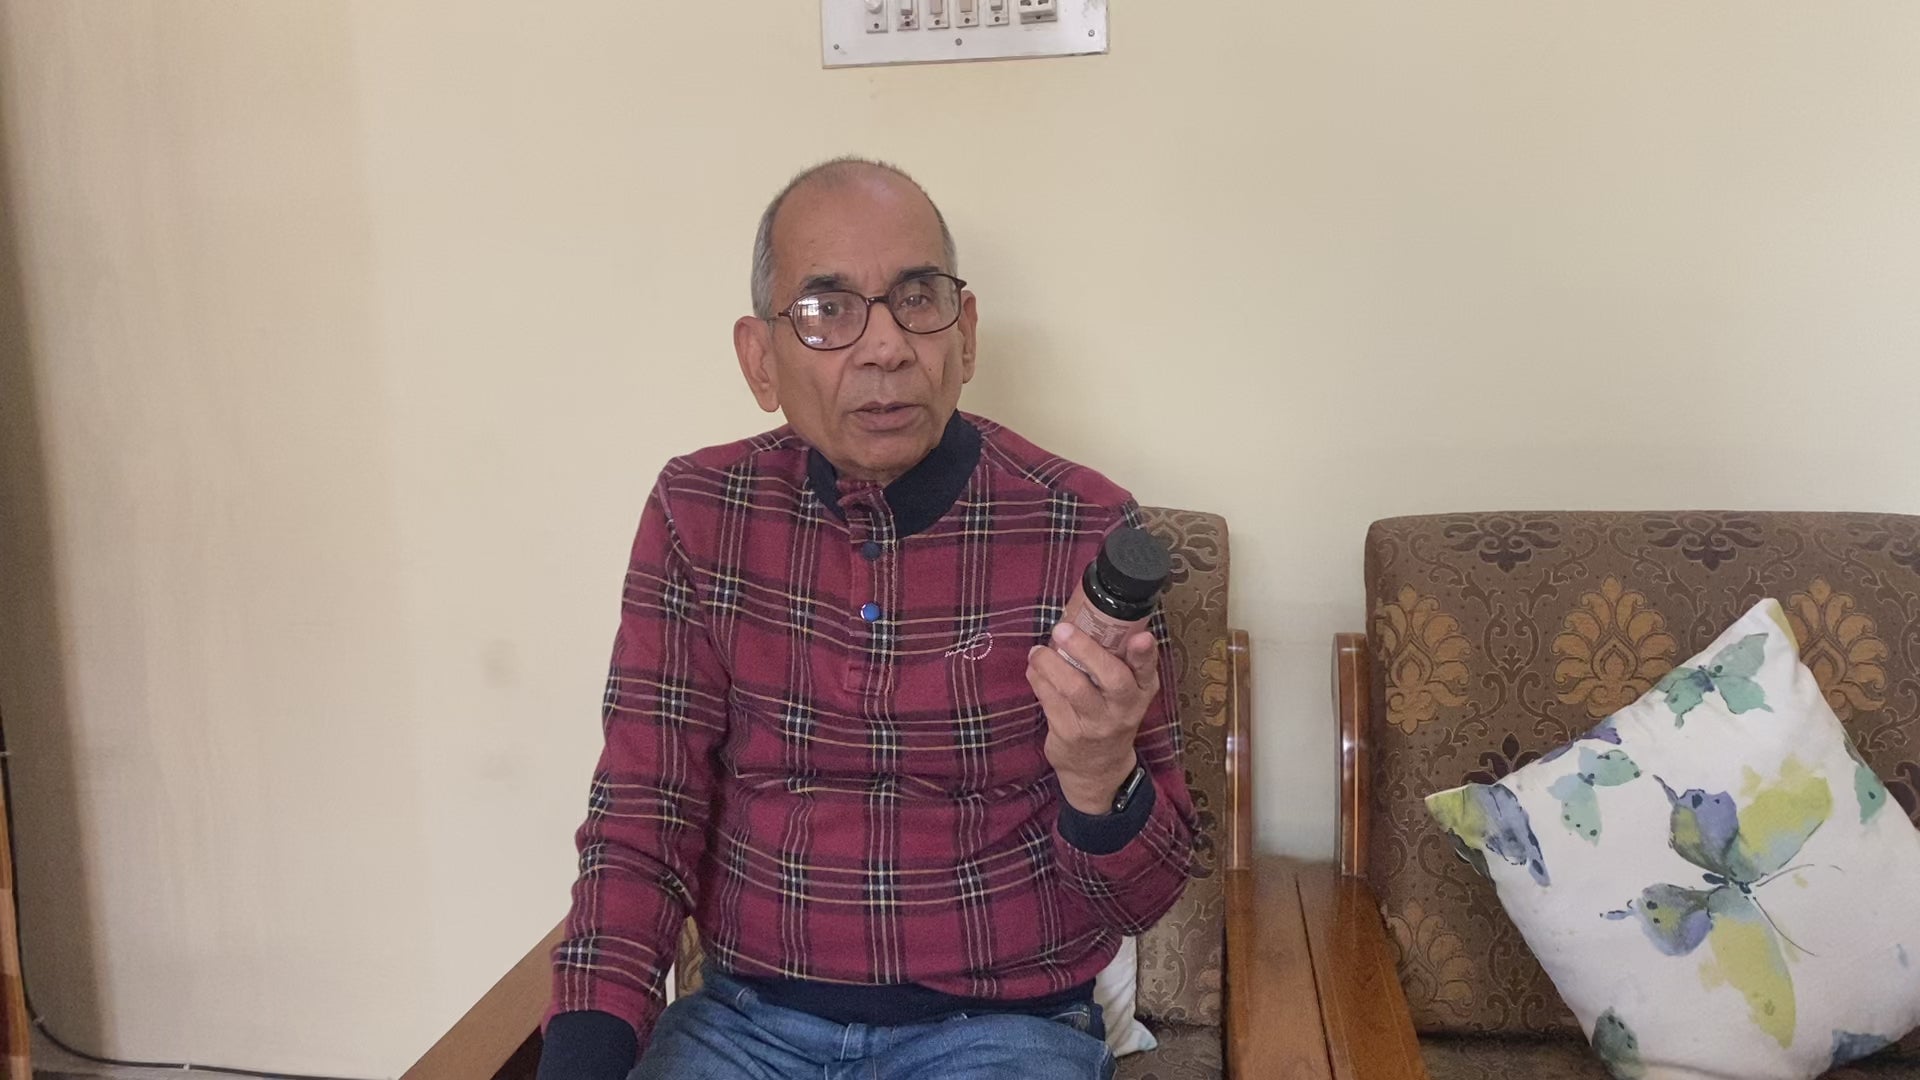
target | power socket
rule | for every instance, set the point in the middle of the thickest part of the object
(1033, 11)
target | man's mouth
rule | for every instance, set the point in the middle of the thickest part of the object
(885, 415)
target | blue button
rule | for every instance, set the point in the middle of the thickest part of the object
(870, 612)
(870, 551)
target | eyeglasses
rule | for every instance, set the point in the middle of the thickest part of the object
(926, 304)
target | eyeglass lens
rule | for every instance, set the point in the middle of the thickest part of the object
(834, 320)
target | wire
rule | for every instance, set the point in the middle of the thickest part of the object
(176, 1066)
(6, 792)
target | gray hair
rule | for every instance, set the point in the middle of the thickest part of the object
(762, 281)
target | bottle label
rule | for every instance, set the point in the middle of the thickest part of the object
(1110, 633)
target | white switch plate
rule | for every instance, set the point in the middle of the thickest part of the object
(1038, 10)
(845, 41)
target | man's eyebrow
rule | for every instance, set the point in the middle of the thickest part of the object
(825, 283)
(837, 283)
(916, 271)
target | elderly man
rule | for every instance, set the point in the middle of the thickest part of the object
(909, 833)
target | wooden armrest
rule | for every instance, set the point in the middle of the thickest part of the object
(500, 1035)
(1311, 988)
(1369, 1028)
(1274, 1026)
(1239, 845)
(1352, 691)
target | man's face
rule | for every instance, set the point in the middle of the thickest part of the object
(875, 408)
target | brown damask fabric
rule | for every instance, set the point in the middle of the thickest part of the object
(1486, 1058)
(1187, 1052)
(688, 961)
(1498, 636)
(1182, 959)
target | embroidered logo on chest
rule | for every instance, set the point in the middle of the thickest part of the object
(973, 648)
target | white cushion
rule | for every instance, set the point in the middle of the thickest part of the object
(1715, 883)
(1114, 991)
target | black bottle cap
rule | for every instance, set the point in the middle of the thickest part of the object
(1133, 565)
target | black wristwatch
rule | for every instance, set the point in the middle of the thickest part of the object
(1124, 797)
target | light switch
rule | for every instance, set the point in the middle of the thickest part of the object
(1033, 11)
(862, 33)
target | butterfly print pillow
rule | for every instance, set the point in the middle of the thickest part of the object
(1711, 876)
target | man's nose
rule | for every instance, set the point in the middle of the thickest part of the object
(884, 345)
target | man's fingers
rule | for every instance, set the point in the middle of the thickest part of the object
(1052, 698)
(1143, 657)
(1107, 671)
(1072, 683)
(1054, 682)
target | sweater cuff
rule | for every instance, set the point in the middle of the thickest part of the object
(1104, 834)
(588, 1046)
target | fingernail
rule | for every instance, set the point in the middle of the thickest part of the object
(1062, 631)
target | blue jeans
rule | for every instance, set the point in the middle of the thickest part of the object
(725, 1032)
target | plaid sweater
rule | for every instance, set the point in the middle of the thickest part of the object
(820, 741)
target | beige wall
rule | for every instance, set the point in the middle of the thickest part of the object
(342, 342)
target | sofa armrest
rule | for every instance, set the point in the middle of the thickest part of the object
(1311, 988)
(1370, 1032)
(1274, 1026)
(499, 1038)
(1352, 709)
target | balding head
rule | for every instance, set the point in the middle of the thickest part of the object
(879, 400)
(839, 172)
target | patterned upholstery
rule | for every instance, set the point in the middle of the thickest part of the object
(1187, 1052)
(1183, 958)
(1569, 1059)
(1496, 637)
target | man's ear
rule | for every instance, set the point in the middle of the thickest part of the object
(753, 344)
(969, 319)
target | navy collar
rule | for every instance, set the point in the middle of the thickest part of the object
(925, 492)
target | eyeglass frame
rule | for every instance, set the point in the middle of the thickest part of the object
(867, 321)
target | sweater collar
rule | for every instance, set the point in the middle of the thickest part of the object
(924, 493)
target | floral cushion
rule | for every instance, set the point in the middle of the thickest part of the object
(1716, 882)
(1497, 636)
